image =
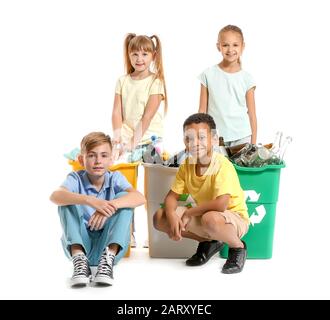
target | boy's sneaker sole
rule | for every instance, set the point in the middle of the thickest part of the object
(230, 271)
(206, 250)
(79, 281)
(103, 280)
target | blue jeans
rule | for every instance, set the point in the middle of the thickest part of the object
(116, 230)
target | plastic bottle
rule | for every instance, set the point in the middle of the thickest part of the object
(153, 152)
(238, 156)
(284, 147)
(258, 158)
(278, 156)
(277, 142)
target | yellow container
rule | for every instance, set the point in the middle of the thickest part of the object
(129, 170)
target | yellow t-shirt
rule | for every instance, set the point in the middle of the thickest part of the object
(135, 95)
(220, 178)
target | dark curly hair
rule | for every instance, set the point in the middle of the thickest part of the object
(200, 118)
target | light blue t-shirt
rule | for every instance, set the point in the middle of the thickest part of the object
(78, 182)
(227, 101)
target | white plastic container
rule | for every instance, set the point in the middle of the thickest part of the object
(158, 180)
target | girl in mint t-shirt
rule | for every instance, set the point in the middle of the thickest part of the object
(227, 91)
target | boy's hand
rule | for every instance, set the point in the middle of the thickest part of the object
(176, 227)
(97, 221)
(185, 219)
(105, 207)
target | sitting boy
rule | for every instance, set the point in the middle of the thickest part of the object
(221, 213)
(95, 212)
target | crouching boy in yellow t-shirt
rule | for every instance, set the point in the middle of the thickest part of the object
(221, 213)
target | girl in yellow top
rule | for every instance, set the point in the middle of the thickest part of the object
(137, 115)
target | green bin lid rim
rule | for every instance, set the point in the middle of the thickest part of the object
(259, 169)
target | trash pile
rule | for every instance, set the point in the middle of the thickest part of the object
(251, 155)
(244, 155)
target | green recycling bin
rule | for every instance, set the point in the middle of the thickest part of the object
(261, 188)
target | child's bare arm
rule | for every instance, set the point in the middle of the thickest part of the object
(218, 204)
(132, 199)
(250, 103)
(175, 223)
(149, 112)
(117, 118)
(63, 197)
(171, 202)
(203, 100)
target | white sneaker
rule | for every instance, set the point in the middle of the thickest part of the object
(104, 273)
(81, 271)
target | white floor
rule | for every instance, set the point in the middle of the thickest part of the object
(39, 270)
(140, 277)
(33, 265)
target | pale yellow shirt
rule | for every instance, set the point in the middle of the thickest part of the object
(135, 95)
(220, 178)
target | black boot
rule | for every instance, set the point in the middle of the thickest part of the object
(205, 251)
(236, 260)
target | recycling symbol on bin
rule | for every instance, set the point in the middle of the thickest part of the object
(253, 196)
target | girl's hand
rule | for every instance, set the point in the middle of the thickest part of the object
(104, 207)
(97, 221)
(133, 144)
(117, 151)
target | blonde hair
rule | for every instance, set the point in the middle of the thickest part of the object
(136, 43)
(94, 139)
(232, 28)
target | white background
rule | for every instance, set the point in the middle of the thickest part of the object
(59, 61)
